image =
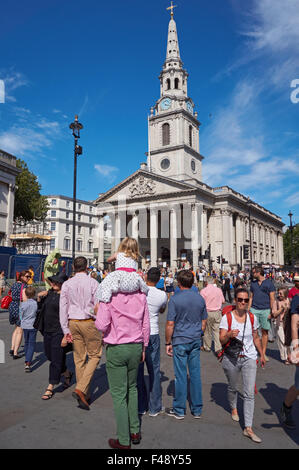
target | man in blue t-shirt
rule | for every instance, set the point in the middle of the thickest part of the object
(261, 302)
(186, 322)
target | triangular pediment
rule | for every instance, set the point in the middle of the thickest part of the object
(144, 185)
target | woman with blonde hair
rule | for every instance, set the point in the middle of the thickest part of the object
(280, 312)
(125, 277)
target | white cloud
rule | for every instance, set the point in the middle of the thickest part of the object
(274, 25)
(293, 200)
(107, 171)
(271, 29)
(84, 106)
(23, 141)
(49, 126)
(12, 80)
(238, 143)
(233, 139)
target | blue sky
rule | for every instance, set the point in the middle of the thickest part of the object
(101, 60)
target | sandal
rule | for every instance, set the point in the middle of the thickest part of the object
(48, 396)
(67, 380)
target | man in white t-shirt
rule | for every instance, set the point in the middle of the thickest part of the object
(156, 301)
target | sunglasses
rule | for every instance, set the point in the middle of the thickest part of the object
(242, 300)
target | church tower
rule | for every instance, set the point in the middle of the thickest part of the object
(173, 125)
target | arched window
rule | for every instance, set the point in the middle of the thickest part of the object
(168, 84)
(176, 83)
(165, 134)
(190, 136)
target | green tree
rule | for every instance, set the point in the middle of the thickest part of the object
(288, 247)
(29, 203)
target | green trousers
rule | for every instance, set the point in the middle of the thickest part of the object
(122, 367)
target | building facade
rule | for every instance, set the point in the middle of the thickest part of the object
(60, 223)
(57, 229)
(175, 216)
(8, 174)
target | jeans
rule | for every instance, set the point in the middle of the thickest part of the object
(187, 355)
(30, 339)
(153, 403)
(232, 370)
(122, 363)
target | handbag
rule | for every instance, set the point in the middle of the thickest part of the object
(234, 346)
(39, 319)
(5, 302)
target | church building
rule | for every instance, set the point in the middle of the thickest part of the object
(175, 216)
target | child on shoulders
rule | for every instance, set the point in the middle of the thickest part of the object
(125, 278)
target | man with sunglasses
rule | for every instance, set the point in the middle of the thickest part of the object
(244, 328)
(262, 302)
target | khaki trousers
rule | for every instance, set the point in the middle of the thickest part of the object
(212, 331)
(87, 341)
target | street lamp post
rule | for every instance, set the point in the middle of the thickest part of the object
(76, 127)
(291, 234)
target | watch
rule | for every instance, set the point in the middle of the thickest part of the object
(165, 104)
(167, 344)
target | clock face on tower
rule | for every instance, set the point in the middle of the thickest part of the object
(165, 104)
(189, 107)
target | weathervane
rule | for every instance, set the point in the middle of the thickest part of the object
(172, 6)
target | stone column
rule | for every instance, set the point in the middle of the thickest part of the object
(280, 249)
(10, 210)
(101, 241)
(174, 217)
(135, 226)
(196, 213)
(204, 230)
(239, 239)
(117, 233)
(227, 239)
(154, 236)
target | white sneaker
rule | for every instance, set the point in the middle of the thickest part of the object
(158, 412)
(170, 412)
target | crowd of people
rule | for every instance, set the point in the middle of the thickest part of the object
(120, 310)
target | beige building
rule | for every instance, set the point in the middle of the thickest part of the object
(166, 205)
(8, 174)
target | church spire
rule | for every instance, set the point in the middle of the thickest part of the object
(173, 77)
(173, 50)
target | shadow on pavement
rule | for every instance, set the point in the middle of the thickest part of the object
(40, 359)
(274, 354)
(170, 389)
(219, 395)
(99, 384)
(274, 396)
